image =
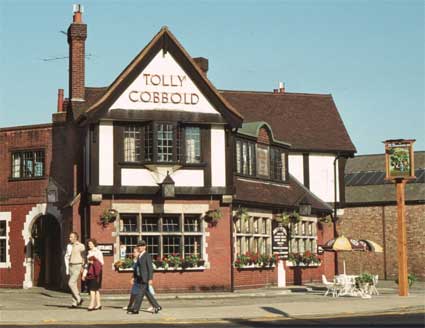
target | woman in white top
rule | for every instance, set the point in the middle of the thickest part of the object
(93, 274)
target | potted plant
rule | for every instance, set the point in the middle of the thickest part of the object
(411, 278)
(213, 216)
(108, 216)
(364, 281)
(287, 218)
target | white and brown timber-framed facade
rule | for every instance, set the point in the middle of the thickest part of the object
(112, 147)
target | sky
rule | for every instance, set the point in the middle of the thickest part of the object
(368, 54)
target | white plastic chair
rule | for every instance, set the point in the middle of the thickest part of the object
(331, 287)
(373, 289)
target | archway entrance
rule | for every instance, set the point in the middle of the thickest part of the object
(46, 252)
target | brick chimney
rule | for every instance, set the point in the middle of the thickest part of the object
(77, 35)
(202, 64)
(281, 88)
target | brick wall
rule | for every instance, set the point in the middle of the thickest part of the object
(263, 136)
(217, 277)
(24, 138)
(379, 223)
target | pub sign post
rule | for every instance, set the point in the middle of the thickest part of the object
(399, 167)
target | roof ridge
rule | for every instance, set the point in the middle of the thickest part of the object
(26, 127)
(277, 94)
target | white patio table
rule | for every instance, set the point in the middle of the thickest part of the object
(346, 285)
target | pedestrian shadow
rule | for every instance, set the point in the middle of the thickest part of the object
(275, 311)
(65, 307)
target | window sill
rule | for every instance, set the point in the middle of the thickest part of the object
(147, 164)
(200, 268)
(5, 265)
(26, 179)
(312, 265)
(262, 179)
(255, 266)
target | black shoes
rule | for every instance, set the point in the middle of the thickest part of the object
(157, 309)
(132, 312)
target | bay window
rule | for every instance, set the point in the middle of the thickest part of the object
(161, 142)
(165, 234)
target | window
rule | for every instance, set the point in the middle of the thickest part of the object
(3, 241)
(193, 144)
(263, 160)
(164, 138)
(161, 142)
(245, 157)
(164, 234)
(253, 235)
(304, 236)
(27, 164)
(132, 152)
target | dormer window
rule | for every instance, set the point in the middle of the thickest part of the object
(162, 142)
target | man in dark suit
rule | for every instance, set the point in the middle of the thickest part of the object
(143, 275)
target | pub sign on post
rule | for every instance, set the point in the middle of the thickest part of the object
(280, 240)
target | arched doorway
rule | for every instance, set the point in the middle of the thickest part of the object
(46, 252)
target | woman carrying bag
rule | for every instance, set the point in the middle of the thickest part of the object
(92, 274)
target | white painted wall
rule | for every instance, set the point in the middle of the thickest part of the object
(188, 178)
(322, 176)
(137, 177)
(106, 154)
(218, 156)
(296, 167)
(164, 66)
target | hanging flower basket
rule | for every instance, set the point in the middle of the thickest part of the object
(287, 218)
(213, 216)
(108, 216)
(242, 213)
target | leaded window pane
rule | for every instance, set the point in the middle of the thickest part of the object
(2, 250)
(171, 224)
(251, 162)
(283, 166)
(16, 165)
(39, 163)
(165, 142)
(150, 223)
(28, 164)
(152, 245)
(148, 143)
(193, 144)
(171, 245)
(263, 160)
(192, 245)
(2, 229)
(238, 156)
(244, 158)
(129, 242)
(132, 137)
(192, 224)
(128, 223)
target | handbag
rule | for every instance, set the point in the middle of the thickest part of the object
(151, 290)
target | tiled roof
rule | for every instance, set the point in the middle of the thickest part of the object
(306, 121)
(364, 180)
(287, 195)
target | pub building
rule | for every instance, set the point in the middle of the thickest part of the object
(203, 175)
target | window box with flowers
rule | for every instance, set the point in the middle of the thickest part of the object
(255, 260)
(307, 259)
(124, 265)
(175, 262)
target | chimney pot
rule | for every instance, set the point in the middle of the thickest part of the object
(60, 100)
(78, 11)
(202, 64)
(281, 88)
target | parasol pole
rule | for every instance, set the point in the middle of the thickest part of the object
(343, 263)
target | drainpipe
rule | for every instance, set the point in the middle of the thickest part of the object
(335, 217)
(232, 250)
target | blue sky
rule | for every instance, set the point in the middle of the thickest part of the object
(368, 54)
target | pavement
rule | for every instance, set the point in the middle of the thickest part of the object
(47, 307)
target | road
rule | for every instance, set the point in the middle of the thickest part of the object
(389, 320)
